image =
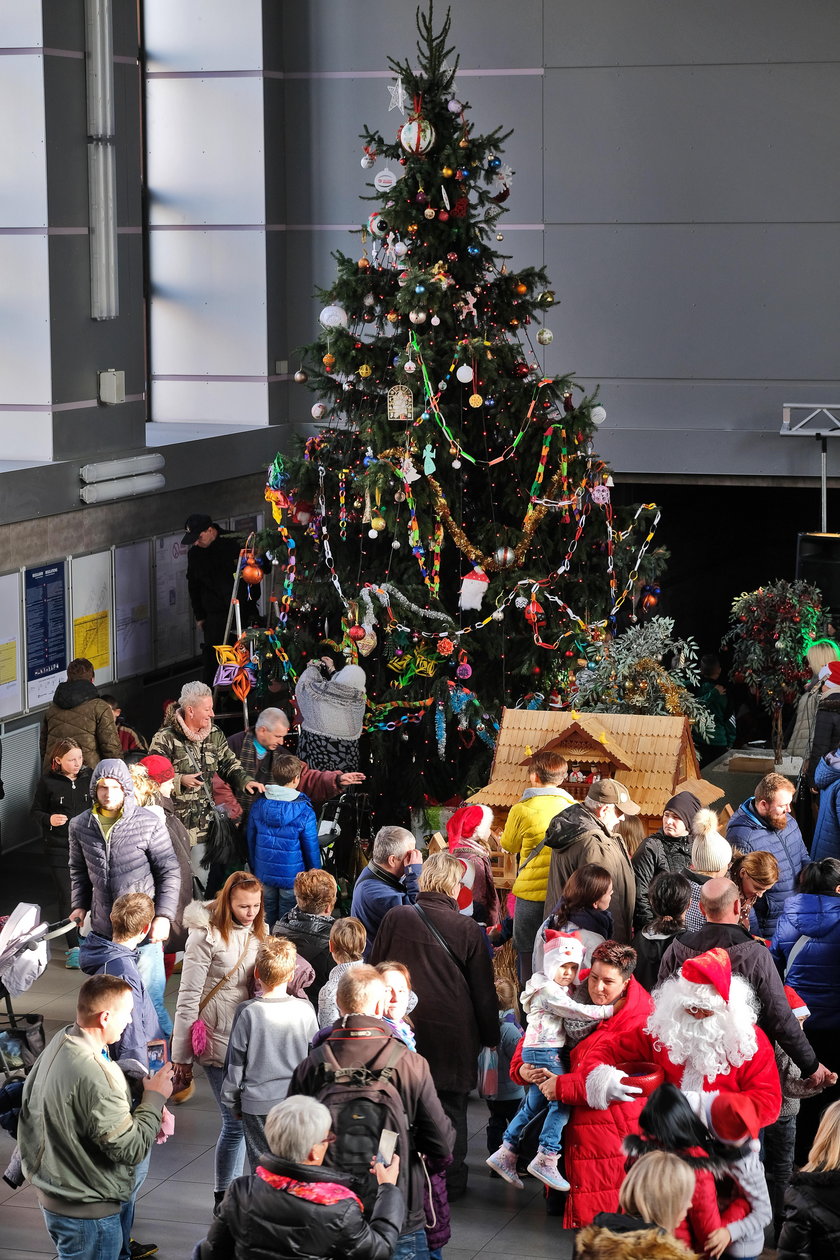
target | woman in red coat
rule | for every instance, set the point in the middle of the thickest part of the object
(593, 1139)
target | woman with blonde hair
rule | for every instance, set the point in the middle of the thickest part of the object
(811, 1229)
(653, 1200)
(818, 656)
(452, 974)
(218, 972)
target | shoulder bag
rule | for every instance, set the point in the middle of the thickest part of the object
(198, 1028)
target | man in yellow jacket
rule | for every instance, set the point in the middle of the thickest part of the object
(524, 834)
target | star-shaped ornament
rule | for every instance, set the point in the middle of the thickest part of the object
(397, 95)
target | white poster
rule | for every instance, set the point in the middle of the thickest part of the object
(11, 674)
(133, 608)
(174, 625)
(92, 612)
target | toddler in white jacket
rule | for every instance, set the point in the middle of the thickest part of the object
(554, 1018)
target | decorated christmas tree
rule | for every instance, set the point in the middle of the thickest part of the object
(450, 520)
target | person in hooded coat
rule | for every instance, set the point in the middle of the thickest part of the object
(811, 1229)
(77, 712)
(331, 700)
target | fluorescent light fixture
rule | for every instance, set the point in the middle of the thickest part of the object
(112, 468)
(122, 488)
(102, 176)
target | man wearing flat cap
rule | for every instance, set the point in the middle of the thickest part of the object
(212, 562)
(584, 833)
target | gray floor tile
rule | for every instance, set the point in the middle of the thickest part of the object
(23, 1229)
(175, 1238)
(172, 1201)
(172, 1157)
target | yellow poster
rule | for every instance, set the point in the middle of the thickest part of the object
(92, 639)
(8, 663)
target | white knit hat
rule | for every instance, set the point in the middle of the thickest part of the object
(710, 851)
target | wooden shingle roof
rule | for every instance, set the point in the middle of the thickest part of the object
(658, 752)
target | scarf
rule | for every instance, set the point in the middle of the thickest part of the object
(326, 1192)
(196, 737)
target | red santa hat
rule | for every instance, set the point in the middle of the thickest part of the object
(712, 968)
(734, 1118)
(797, 1005)
(561, 947)
(830, 676)
(473, 822)
(464, 895)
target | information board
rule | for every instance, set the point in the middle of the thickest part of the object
(45, 613)
(133, 609)
(92, 602)
(175, 635)
(11, 674)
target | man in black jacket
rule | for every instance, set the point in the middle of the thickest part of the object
(362, 1039)
(212, 562)
(721, 906)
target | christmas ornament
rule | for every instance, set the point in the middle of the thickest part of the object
(445, 647)
(301, 376)
(302, 514)
(600, 495)
(417, 135)
(520, 288)
(475, 400)
(397, 96)
(417, 317)
(384, 180)
(409, 366)
(333, 317)
(545, 336)
(504, 556)
(356, 633)
(377, 226)
(400, 404)
(368, 643)
(598, 415)
(534, 613)
(464, 373)
(318, 411)
(328, 361)
(251, 571)
(464, 669)
(367, 161)
(473, 589)
(428, 213)
(365, 370)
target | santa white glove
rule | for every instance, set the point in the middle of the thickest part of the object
(606, 1084)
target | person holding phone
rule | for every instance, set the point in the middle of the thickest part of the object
(292, 1197)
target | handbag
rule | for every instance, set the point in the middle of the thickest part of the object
(488, 1072)
(198, 1028)
(222, 846)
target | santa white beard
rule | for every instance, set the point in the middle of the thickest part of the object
(708, 1047)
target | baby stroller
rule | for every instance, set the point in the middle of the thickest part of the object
(24, 954)
(344, 839)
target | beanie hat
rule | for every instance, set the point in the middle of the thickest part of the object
(473, 822)
(734, 1118)
(798, 1007)
(685, 805)
(561, 947)
(713, 968)
(158, 768)
(710, 851)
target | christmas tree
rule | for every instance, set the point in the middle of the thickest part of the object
(450, 520)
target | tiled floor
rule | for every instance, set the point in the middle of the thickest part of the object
(176, 1200)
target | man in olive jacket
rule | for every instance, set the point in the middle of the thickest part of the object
(79, 1140)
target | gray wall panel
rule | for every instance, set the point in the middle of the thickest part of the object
(710, 143)
(657, 32)
(23, 182)
(199, 35)
(724, 301)
(20, 24)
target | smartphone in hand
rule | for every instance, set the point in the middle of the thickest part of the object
(387, 1146)
(157, 1055)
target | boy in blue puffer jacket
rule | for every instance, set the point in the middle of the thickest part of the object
(282, 837)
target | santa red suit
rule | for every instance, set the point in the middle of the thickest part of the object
(702, 1035)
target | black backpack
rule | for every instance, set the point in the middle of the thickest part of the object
(362, 1102)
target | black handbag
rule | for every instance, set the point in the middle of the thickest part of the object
(222, 846)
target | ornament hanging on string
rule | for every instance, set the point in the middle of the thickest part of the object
(473, 589)
(400, 404)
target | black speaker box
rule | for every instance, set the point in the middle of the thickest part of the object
(818, 562)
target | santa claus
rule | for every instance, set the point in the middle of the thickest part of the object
(702, 1035)
(468, 833)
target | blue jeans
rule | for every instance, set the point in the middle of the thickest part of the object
(276, 903)
(150, 966)
(127, 1214)
(85, 1240)
(230, 1148)
(412, 1246)
(535, 1104)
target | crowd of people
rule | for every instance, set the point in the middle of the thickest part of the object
(657, 1045)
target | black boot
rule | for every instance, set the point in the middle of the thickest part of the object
(218, 1195)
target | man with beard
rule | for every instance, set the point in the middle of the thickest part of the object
(764, 822)
(702, 1033)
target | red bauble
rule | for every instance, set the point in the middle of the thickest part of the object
(356, 633)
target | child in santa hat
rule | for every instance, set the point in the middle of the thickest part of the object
(734, 1119)
(468, 831)
(554, 1018)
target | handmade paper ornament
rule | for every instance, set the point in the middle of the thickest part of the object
(333, 316)
(545, 336)
(473, 589)
(377, 226)
(417, 136)
(598, 415)
(318, 411)
(368, 643)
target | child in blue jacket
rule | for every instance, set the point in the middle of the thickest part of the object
(282, 837)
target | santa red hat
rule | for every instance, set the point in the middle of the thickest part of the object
(713, 968)
(830, 676)
(734, 1118)
(473, 822)
(561, 947)
(799, 1008)
(464, 895)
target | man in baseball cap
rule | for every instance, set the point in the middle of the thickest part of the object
(583, 833)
